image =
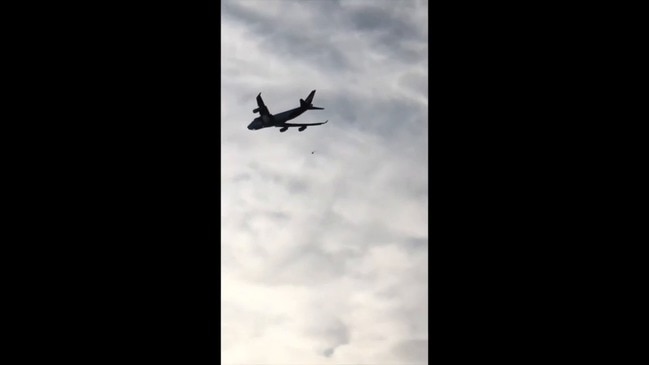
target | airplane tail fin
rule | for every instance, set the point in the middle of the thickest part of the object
(307, 103)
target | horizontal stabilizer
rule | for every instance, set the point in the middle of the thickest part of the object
(315, 107)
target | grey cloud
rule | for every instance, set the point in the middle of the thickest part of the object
(242, 177)
(386, 30)
(415, 244)
(397, 117)
(415, 81)
(234, 10)
(277, 216)
(287, 39)
(294, 184)
(328, 352)
(412, 351)
(333, 333)
(384, 21)
(391, 32)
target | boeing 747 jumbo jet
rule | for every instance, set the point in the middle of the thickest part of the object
(279, 120)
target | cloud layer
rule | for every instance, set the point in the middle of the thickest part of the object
(324, 232)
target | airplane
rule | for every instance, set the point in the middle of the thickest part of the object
(279, 120)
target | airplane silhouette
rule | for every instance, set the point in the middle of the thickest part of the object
(266, 119)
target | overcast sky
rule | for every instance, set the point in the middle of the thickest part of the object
(324, 254)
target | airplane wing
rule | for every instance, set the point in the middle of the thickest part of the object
(262, 109)
(302, 124)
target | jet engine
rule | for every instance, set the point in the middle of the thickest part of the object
(283, 129)
(301, 128)
(256, 110)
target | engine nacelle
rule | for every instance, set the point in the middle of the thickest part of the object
(301, 128)
(283, 129)
(255, 110)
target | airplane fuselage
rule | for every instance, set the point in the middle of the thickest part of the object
(276, 120)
